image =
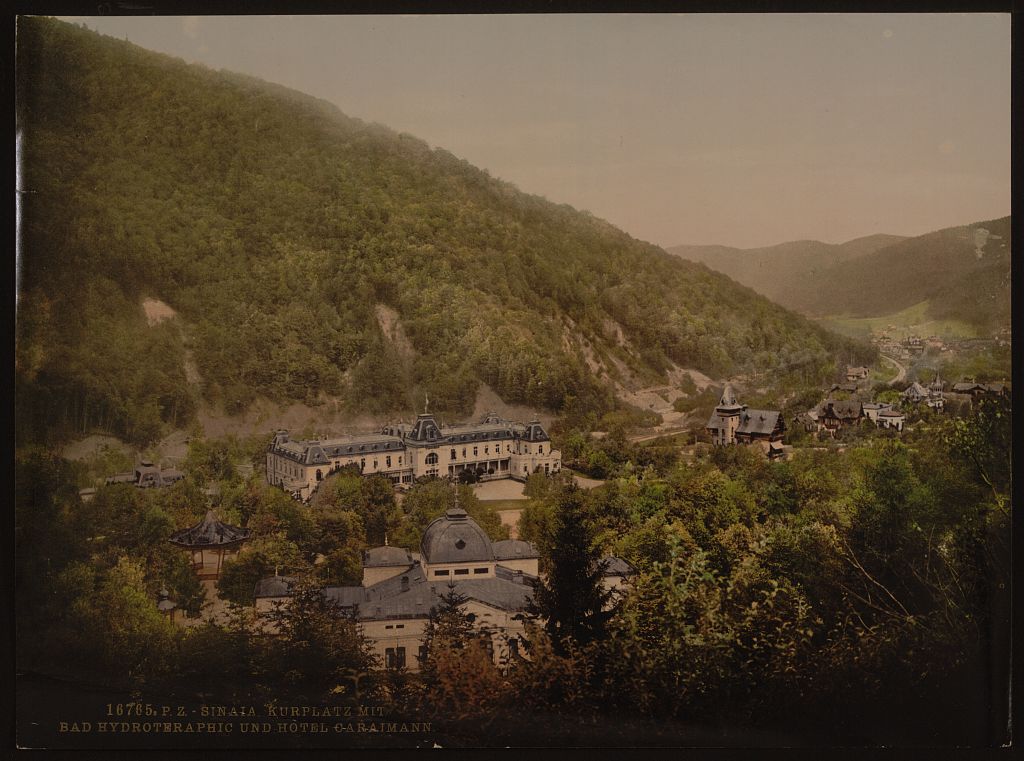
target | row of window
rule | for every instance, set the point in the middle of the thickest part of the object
(460, 571)
(394, 657)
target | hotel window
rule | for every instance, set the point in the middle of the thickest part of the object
(375, 463)
(441, 573)
(399, 461)
(394, 657)
(540, 449)
(387, 461)
(487, 450)
(432, 458)
(479, 570)
(453, 454)
(475, 451)
(463, 451)
(462, 572)
(423, 653)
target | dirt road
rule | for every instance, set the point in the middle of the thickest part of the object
(901, 375)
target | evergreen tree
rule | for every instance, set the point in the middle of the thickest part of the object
(448, 621)
(571, 599)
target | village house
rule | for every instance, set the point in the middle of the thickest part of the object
(857, 373)
(147, 475)
(491, 449)
(733, 423)
(975, 390)
(891, 418)
(399, 589)
(834, 414)
(931, 395)
(872, 410)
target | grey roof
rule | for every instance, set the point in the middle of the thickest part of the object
(147, 474)
(381, 557)
(275, 586)
(968, 386)
(534, 432)
(915, 390)
(851, 387)
(617, 567)
(455, 538)
(393, 438)
(728, 401)
(210, 532)
(758, 421)
(842, 409)
(716, 422)
(511, 549)
(412, 595)
(890, 413)
(425, 429)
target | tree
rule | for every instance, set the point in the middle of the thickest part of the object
(319, 644)
(571, 598)
(458, 667)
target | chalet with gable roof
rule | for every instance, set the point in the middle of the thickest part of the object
(734, 423)
(859, 373)
(834, 414)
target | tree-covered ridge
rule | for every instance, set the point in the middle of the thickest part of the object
(276, 226)
(963, 272)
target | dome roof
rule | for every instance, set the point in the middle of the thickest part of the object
(386, 556)
(455, 538)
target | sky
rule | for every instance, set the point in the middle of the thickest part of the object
(734, 129)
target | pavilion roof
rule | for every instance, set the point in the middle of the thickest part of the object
(210, 532)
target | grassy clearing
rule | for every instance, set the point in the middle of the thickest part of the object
(506, 504)
(911, 321)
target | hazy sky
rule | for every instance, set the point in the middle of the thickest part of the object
(744, 130)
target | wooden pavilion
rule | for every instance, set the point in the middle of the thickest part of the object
(210, 535)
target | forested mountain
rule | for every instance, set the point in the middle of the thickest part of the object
(776, 270)
(962, 272)
(286, 235)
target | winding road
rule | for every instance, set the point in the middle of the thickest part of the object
(901, 375)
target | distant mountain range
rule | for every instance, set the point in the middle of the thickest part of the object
(962, 272)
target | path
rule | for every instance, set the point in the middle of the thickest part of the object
(901, 375)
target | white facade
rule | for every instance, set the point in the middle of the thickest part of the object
(492, 448)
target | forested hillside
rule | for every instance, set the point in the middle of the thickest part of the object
(962, 272)
(776, 271)
(281, 230)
